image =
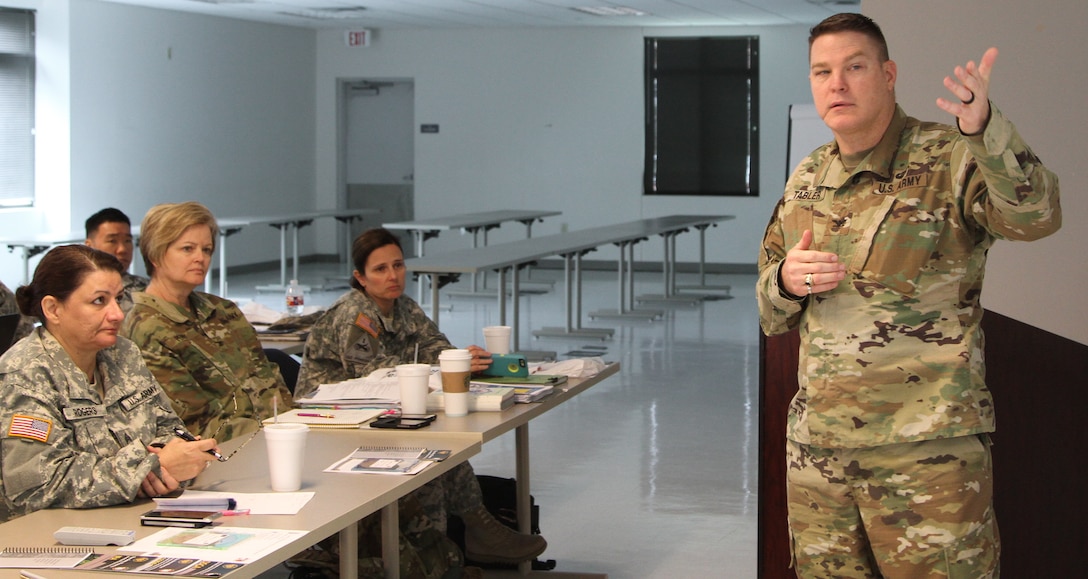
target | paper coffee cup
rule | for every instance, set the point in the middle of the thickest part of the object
(455, 404)
(456, 367)
(497, 339)
(413, 380)
(286, 444)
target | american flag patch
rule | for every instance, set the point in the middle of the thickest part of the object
(29, 427)
(367, 325)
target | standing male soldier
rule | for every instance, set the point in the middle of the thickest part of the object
(876, 253)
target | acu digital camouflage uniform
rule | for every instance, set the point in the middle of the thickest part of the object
(132, 284)
(894, 354)
(70, 447)
(209, 361)
(8, 305)
(352, 340)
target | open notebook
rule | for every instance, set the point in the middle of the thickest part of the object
(326, 418)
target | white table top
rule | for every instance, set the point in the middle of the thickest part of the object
(527, 250)
(470, 220)
(340, 499)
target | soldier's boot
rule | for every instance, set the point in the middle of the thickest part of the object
(489, 541)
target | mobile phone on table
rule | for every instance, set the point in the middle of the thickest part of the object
(166, 518)
(403, 422)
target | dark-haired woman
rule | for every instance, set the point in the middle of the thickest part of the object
(79, 411)
(374, 325)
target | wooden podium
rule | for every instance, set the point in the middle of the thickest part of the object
(1039, 381)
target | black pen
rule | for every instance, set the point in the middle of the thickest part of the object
(186, 436)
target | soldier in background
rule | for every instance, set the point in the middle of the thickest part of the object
(876, 253)
(79, 411)
(110, 231)
(8, 305)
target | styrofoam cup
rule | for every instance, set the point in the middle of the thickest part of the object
(413, 380)
(286, 444)
(497, 339)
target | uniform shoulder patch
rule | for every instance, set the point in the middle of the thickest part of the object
(367, 325)
(33, 428)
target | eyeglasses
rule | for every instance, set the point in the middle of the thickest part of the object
(260, 426)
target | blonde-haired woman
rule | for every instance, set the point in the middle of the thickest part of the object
(199, 346)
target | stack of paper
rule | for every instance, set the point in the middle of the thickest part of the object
(481, 398)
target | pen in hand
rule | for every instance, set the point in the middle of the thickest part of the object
(180, 432)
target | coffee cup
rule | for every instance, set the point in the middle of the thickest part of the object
(286, 444)
(497, 339)
(414, 382)
(456, 367)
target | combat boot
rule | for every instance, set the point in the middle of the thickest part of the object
(489, 541)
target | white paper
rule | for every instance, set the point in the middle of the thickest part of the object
(380, 386)
(258, 503)
(224, 544)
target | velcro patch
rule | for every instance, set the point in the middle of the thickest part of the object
(23, 426)
(367, 325)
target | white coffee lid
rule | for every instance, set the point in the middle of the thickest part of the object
(455, 354)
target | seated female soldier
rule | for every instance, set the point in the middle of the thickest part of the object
(79, 411)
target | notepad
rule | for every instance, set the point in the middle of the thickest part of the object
(44, 557)
(387, 460)
(328, 418)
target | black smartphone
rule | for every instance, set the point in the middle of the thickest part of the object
(164, 518)
(402, 422)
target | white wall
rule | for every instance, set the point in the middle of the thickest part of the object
(1039, 81)
(167, 106)
(552, 118)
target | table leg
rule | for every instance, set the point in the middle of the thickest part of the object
(525, 510)
(349, 550)
(222, 267)
(390, 544)
(434, 296)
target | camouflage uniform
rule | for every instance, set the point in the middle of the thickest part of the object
(209, 361)
(352, 340)
(64, 445)
(9, 306)
(894, 354)
(132, 284)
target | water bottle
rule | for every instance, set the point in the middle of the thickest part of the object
(295, 298)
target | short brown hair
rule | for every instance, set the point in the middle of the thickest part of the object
(165, 223)
(850, 22)
(365, 244)
(60, 273)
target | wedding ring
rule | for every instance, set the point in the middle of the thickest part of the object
(970, 100)
(808, 281)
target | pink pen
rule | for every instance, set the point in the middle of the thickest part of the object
(234, 513)
(315, 415)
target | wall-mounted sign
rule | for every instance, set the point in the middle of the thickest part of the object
(357, 37)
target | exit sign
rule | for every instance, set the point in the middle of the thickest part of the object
(357, 37)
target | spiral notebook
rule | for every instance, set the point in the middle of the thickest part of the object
(44, 557)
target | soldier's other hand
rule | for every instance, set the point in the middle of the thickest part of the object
(481, 358)
(153, 486)
(972, 89)
(185, 459)
(807, 271)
